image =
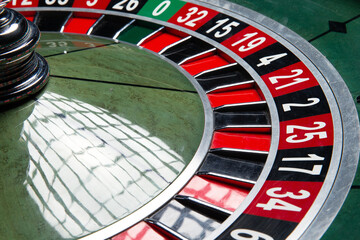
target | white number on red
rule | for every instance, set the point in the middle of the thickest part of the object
(296, 72)
(90, 3)
(276, 203)
(250, 45)
(192, 11)
(308, 136)
(23, 3)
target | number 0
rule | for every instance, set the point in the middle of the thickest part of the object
(161, 8)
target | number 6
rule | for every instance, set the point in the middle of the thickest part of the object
(254, 235)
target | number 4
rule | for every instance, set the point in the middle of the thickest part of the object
(267, 60)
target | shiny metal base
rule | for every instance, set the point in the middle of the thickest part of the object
(22, 71)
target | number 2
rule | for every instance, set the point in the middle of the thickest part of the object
(312, 101)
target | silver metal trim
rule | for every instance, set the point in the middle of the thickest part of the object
(215, 69)
(245, 126)
(66, 21)
(196, 56)
(240, 105)
(123, 28)
(212, 206)
(174, 44)
(242, 180)
(239, 150)
(150, 35)
(166, 228)
(230, 85)
(92, 27)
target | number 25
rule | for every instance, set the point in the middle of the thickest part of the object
(308, 136)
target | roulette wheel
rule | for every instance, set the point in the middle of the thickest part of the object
(168, 119)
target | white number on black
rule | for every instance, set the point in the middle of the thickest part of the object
(226, 29)
(316, 170)
(312, 101)
(130, 5)
(247, 234)
(267, 60)
(310, 157)
(60, 2)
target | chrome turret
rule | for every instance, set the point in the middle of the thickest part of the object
(22, 71)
